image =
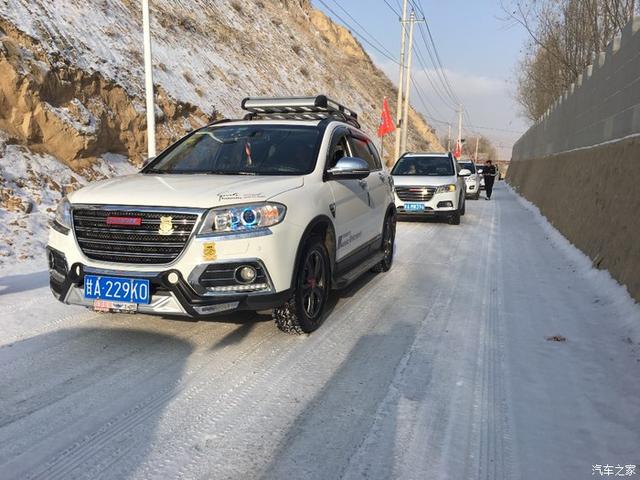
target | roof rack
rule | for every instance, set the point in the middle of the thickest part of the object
(298, 108)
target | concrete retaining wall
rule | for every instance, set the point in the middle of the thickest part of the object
(593, 197)
(580, 164)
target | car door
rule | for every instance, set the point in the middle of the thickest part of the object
(377, 183)
(351, 208)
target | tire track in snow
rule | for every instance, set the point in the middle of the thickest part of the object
(413, 440)
(63, 464)
(495, 460)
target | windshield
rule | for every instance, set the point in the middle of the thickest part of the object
(426, 166)
(243, 150)
(468, 165)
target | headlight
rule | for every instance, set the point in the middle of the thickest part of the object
(63, 213)
(243, 218)
(446, 188)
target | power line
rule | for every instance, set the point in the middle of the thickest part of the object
(369, 34)
(392, 9)
(356, 32)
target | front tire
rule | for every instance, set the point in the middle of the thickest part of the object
(304, 311)
(454, 218)
(388, 244)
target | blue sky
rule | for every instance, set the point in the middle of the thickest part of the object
(477, 49)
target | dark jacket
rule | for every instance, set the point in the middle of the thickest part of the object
(489, 172)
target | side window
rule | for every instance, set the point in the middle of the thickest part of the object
(376, 156)
(361, 149)
(339, 150)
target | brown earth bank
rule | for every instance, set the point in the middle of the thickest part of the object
(590, 196)
(76, 115)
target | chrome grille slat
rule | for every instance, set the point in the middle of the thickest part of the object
(140, 244)
(415, 193)
(128, 231)
(145, 221)
(130, 244)
(125, 254)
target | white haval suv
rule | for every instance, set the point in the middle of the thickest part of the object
(271, 211)
(430, 185)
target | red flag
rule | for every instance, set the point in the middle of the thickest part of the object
(457, 153)
(386, 122)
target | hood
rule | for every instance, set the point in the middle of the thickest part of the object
(405, 180)
(196, 191)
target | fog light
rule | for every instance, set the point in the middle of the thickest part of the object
(246, 274)
(173, 278)
(445, 204)
(77, 270)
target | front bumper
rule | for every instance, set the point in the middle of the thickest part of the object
(441, 204)
(177, 298)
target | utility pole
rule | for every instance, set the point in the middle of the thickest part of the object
(400, 122)
(405, 113)
(460, 126)
(148, 82)
(475, 158)
(449, 138)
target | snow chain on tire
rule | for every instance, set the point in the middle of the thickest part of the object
(286, 318)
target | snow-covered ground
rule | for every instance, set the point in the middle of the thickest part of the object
(439, 369)
(34, 185)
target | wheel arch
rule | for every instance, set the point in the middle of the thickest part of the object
(321, 226)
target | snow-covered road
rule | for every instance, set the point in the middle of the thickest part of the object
(438, 369)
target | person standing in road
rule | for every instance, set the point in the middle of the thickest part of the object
(489, 172)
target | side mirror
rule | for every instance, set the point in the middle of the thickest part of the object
(349, 168)
(465, 172)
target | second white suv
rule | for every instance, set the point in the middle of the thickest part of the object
(472, 181)
(271, 211)
(430, 184)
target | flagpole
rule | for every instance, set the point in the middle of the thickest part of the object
(148, 81)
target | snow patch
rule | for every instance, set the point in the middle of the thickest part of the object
(618, 295)
(31, 186)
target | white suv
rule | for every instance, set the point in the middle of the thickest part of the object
(472, 181)
(267, 212)
(430, 185)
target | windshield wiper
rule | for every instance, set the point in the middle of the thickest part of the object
(228, 172)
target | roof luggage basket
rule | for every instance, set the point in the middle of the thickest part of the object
(297, 108)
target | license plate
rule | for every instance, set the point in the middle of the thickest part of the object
(413, 207)
(117, 290)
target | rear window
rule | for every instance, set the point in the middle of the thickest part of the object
(424, 166)
(468, 165)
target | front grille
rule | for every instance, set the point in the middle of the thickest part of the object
(223, 275)
(415, 194)
(140, 243)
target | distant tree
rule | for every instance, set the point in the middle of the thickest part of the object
(564, 36)
(486, 149)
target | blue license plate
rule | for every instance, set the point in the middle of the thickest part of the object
(413, 207)
(115, 289)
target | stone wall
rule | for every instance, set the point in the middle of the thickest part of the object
(580, 164)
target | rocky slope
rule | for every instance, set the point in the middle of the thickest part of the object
(71, 83)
